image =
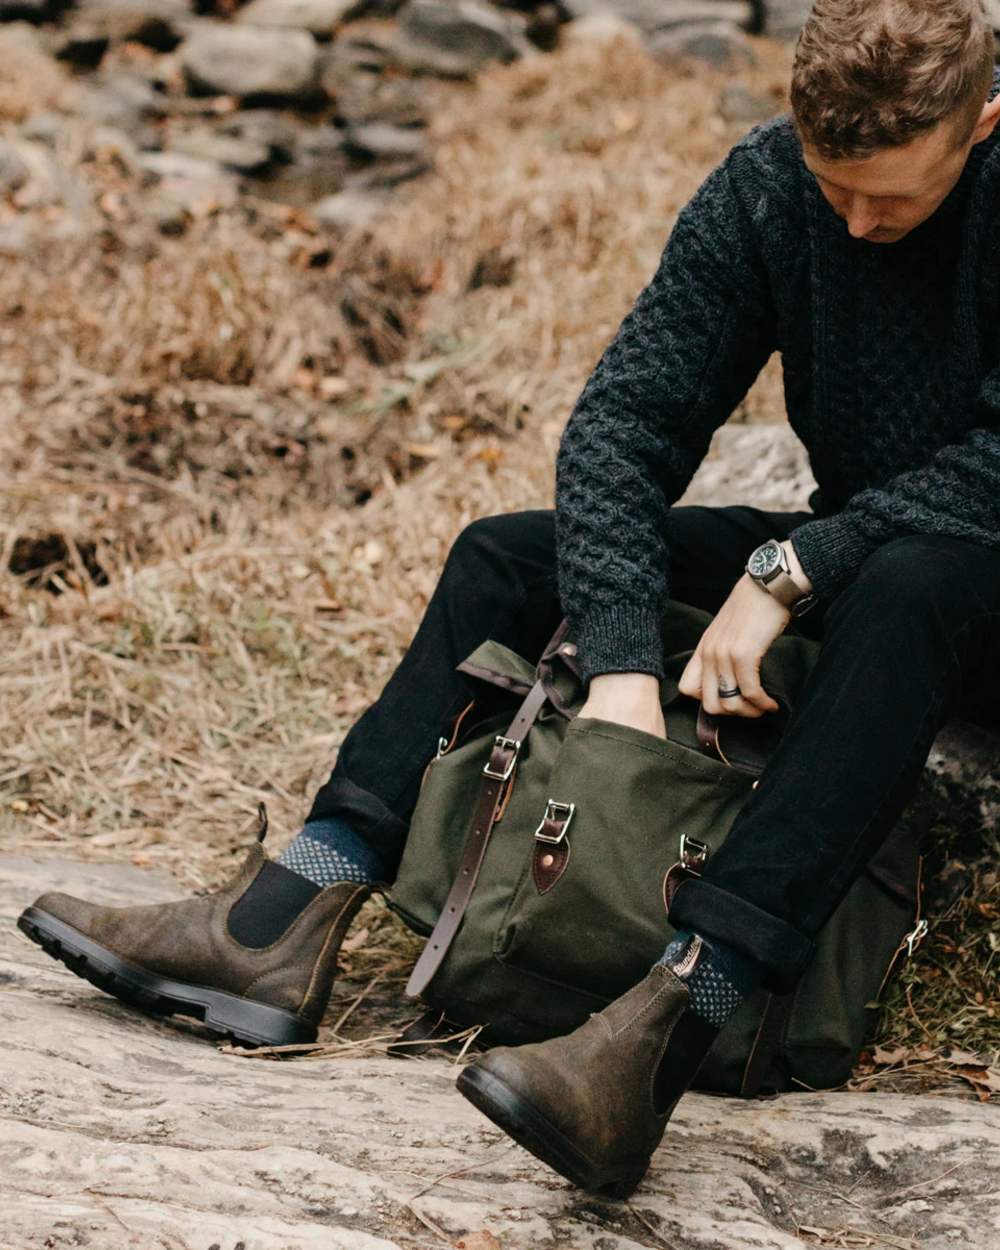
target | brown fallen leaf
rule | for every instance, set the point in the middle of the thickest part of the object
(985, 1081)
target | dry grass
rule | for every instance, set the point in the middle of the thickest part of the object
(232, 463)
(186, 424)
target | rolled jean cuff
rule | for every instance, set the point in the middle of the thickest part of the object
(781, 951)
(367, 815)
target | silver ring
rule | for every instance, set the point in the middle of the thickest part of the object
(729, 692)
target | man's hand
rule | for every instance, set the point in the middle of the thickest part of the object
(731, 650)
(733, 646)
(627, 699)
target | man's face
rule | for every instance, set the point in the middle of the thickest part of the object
(889, 194)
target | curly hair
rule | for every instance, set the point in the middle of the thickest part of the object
(875, 74)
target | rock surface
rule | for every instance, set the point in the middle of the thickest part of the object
(119, 1131)
(318, 16)
(651, 16)
(158, 23)
(784, 18)
(467, 29)
(251, 61)
(352, 209)
(716, 43)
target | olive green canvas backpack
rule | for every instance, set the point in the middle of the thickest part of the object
(543, 850)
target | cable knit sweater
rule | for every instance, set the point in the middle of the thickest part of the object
(891, 360)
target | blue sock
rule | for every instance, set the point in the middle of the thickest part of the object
(327, 851)
(719, 979)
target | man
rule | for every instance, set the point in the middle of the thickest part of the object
(862, 240)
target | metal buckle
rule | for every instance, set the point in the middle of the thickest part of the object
(442, 747)
(553, 811)
(507, 744)
(693, 853)
(914, 939)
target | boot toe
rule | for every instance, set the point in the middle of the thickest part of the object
(72, 911)
(526, 1085)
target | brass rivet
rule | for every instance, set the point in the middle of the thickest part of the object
(548, 861)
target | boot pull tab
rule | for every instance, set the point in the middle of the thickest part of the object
(262, 823)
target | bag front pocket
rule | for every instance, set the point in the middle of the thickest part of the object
(628, 796)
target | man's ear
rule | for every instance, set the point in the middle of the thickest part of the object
(988, 119)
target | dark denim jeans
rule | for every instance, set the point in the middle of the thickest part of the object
(911, 643)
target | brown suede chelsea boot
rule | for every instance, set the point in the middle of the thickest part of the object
(255, 960)
(594, 1104)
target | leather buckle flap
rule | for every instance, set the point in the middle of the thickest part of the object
(502, 744)
(693, 854)
(558, 815)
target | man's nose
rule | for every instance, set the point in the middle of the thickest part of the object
(861, 217)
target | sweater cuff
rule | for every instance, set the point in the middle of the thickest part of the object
(831, 550)
(619, 639)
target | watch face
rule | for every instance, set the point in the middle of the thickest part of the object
(764, 560)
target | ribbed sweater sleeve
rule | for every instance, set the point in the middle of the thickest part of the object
(682, 360)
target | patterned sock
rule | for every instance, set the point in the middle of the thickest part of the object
(329, 850)
(720, 979)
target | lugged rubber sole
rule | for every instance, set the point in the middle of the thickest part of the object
(531, 1129)
(236, 1019)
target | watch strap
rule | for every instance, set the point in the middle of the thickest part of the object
(782, 586)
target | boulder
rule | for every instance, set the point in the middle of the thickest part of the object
(158, 23)
(783, 19)
(380, 140)
(651, 16)
(362, 95)
(191, 185)
(250, 61)
(762, 465)
(120, 99)
(119, 1131)
(352, 209)
(471, 33)
(601, 28)
(320, 17)
(718, 44)
(245, 155)
(272, 129)
(176, 164)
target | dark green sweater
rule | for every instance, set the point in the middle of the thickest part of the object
(891, 358)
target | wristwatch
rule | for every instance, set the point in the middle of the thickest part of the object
(769, 568)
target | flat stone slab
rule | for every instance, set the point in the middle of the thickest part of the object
(121, 1131)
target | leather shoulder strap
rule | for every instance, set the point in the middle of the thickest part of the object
(498, 776)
